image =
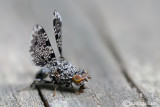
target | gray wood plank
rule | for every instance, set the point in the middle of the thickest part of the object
(83, 47)
(16, 71)
(134, 28)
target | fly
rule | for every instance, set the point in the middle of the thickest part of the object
(59, 70)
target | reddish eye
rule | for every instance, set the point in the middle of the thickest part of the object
(77, 79)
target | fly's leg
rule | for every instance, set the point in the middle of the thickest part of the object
(75, 90)
(23, 89)
(54, 93)
(81, 89)
(34, 83)
(39, 80)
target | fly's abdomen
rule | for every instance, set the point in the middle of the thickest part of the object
(43, 73)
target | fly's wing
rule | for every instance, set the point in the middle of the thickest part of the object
(57, 26)
(41, 49)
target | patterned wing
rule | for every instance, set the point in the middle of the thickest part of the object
(57, 26)
(41, 49)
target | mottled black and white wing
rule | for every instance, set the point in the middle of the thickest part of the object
(41, 49)
(57, 26)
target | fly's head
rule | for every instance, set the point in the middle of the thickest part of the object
(81, 77)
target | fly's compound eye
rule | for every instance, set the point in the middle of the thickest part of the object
(77, 79)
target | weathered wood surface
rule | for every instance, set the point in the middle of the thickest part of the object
(84, 43)
(15, 70)
(135, 39)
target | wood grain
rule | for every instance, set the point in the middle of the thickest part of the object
(16, 71)
(133, 35)
(116, 41)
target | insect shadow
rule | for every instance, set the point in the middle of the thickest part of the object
(51, 87)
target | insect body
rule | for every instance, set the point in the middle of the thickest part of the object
(59, 71)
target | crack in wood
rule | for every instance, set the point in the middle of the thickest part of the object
(45, 102)
(94, 97)
(118, 58)
(109, 42)
(16, 100)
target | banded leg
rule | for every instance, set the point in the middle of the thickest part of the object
(81, 89)
(57, 26)
(34, 83)
(54, 93)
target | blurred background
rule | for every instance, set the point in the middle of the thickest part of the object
(100, 36)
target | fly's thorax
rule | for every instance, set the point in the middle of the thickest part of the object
(65, 68)
(64, 72)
